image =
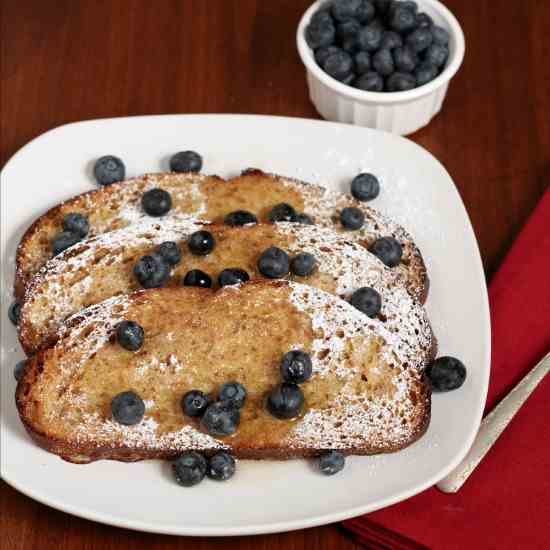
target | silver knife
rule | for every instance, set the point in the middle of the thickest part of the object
(493, 425)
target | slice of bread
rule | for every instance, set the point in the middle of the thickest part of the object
(367, 394)
(210, 198)
(102, 266)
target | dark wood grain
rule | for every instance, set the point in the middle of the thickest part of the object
(69, 60)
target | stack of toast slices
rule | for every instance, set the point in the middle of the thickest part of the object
(368, 392)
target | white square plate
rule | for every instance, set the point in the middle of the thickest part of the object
(263, 496)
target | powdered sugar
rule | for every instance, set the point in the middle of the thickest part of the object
(143, 435)
(334, 324)
(146, 363)
(353, 267)
(324, 206)
(182, 187)
(349, 263)
(59, 279)
(90, 330)
(352, 420)
(122, 206)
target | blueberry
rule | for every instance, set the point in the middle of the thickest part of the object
(400, 82)
(367, 301)
(370, 82)
(296, 366)
(156, 202)
(369, 38)
(151, 271)
(75, 222)
(221, 466)
(199, 278)
(362, 62)
(446, 373)
(378, 23)
(342, 10)
(365, 187)
(321, 16)
(339, 65)
(233, 393)
(349, 79)
(347, 29)
(129, 335)
(189, 468)
(240, 217)
(402, 19)
(186, 161)
(391, 40)
(19, 369)
(440, 36)
(405, 59)
(109, 169)
(424, 21)
(436, 55)
(128, 408)
(382, 6)
(14, 313)
(321, 54)
(425, 72)
(232, 276)
(282, 212)
(349, 45)
(331, 462)
(201, 243)
(221, 419)
(387, 250)
(285, 400)
(365, 12)
(304, 219)
(419, 39)
(273, 263)
(382, 62)
(64, 240)
(169, 252)
(194, 403)
(319, 35)
(352, 218)
(403, 4)
(302, 264)
(408, 4)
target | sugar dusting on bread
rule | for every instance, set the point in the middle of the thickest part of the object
(353, 267)
(120, 205)
(349, 263)
(53, 294)
(324, 206)
(145, 434)
(379, 419)
(106, 249)
(351, 420)
(181, 186)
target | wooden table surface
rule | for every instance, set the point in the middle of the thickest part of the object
(71, 60)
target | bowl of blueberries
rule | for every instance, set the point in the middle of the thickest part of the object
(384, 64)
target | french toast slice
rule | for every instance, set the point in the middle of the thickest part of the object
(102, 266)
(367, 393)
(210, 198)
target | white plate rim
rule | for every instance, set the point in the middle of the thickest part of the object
(271, 527)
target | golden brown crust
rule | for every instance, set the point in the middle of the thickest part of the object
(45, 367)
(33, 250)
(50, 223)
(85, 454)
(101, 267)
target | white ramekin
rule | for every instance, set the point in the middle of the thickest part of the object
(396, 112)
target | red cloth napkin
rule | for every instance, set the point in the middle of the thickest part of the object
(506, 501)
